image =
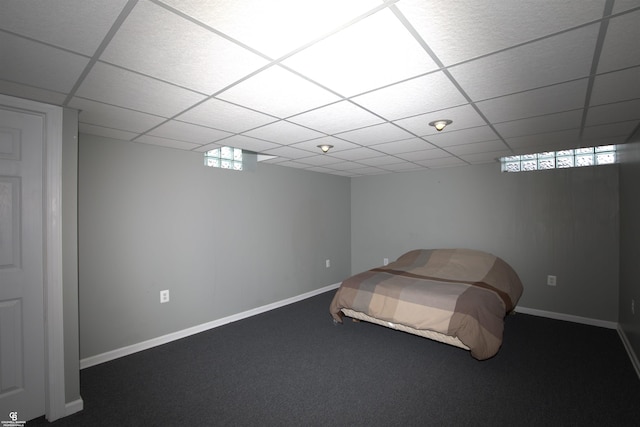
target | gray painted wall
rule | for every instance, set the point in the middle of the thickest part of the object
(630, 243)
(561, 222)
(221, 241)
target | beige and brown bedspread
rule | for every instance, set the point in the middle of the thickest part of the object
(461, 293)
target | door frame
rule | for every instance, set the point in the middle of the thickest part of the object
(55, 405)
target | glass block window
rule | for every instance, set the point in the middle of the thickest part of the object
(589, 156)
(224, 158)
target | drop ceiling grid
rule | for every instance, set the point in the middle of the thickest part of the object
(182, 75)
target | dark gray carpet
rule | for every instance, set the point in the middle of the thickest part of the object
(292, 367)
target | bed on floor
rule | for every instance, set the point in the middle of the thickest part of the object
(456, 296)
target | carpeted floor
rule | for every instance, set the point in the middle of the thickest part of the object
(293, 367)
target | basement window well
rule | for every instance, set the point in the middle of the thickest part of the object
(224, 158)
(589, 156)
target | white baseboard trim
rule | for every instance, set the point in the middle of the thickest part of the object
(73, 407)
(154, 342)
(629, 348)
(567, 317)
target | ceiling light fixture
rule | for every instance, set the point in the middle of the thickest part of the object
(325, 147)
(440, 124)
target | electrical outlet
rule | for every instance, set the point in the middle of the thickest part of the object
(551, 280)
(164, 296)
(385, 261)
(327, 263)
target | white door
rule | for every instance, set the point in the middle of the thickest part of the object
(22, 362)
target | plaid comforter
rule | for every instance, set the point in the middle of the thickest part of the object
(457, 292)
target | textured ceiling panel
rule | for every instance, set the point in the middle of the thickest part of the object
(225, 116)
(365, 76)
(416, 96)
(34, 64)
(284, 133)
(547, 123)
(123, 88)
(464, 136)
(375, 134)
(336, 118)
(617, 86)
(158, 43)
(622, 46)
(275, 27)
(344, 61)
(468, 29)
(566, 56)
(538, 102)
(109, 116)
(79, 26)
(278, 92)
(188, 132)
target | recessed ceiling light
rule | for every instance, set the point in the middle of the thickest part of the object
(325, 147)
(440, 124)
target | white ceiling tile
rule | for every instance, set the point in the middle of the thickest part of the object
(403, 167)
(382, 162)
(278, 92)
(545, 141)
(468, 29)
(621, 48)
(338, 144)
(315, 160)
(540, 124)
(376, 134)
(30, 92)
(448, 138)
(288, 152)
(35, 64)
(416, 96)
(188, 132)
(486, 157)
(613, 113)
(552, 60)
(622, 5)
(357, 154)
(320, 169)
(159, 76)
(106, 132)
(477, 148)
(404, 146)
(283, 132)
(615, 87)
(296, 165)
(268, 26)
(167, 143)
(158, 43)
(96, 113)
(464, 116)
(444, 162)
(599, 132)
(247, 143)
(335, 118)
(420, 155)
(343, 62)
(112, 85)
(79, 26)
(343, 166)
(552, 99)
(223, 115)
(368, 171)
